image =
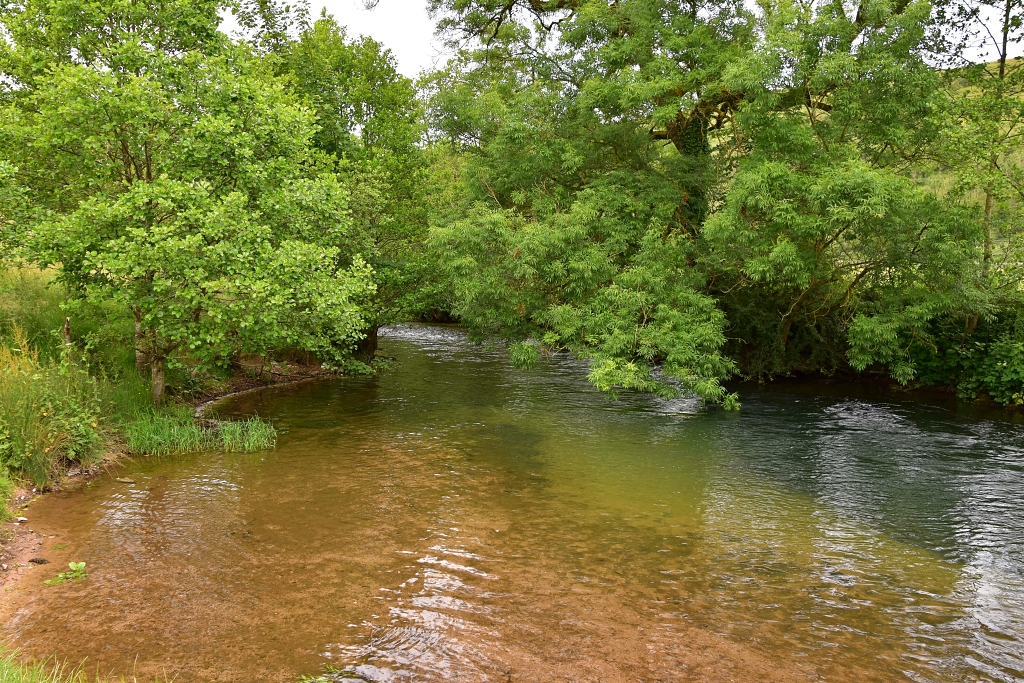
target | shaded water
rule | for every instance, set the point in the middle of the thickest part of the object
(456, 519)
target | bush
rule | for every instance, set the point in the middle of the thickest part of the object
(988, 362)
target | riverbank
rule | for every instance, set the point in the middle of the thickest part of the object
(24, 550)
(19, 543)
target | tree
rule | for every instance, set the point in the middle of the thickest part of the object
(368, 121)
(745, 178)
(184, 184)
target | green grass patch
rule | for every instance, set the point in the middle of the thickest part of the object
(168, 432)
(12, 670)
(247, 436)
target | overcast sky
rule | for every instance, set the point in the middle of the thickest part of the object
(402, 26)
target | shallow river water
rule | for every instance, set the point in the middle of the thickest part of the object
(455, 519)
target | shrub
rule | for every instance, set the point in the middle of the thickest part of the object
(989, 362)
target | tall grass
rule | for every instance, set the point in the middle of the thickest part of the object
(13, 670)
(48, 412)
(30, 300)
(166, 433)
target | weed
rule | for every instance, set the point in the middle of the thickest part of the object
(59, 546)
(48, 412)
(77, 571)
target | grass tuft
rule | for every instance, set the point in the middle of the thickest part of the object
(247, 436)
(165, 433)
(14, 671)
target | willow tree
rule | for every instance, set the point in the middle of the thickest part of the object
(703, 187)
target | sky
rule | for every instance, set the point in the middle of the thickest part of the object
(402, 26)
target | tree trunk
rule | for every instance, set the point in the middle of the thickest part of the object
(367, 346)
(157, 372)
(986, 262)
(141, 357)
(987, 254)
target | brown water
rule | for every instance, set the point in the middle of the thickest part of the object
(455, 519)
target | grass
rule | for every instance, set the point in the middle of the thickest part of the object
(48, 413)
(13, 670)
(169, 432)
(30, 300)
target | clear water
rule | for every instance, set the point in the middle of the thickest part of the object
(455, 519)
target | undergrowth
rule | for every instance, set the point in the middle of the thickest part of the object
(59, 404)
(48, 413)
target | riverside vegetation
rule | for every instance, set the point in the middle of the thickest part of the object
(682, 193)
(54, 412)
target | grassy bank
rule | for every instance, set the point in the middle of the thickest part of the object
(62, 404)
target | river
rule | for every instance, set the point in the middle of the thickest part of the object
(456, 519)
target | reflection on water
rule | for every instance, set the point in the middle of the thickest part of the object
(458, 520)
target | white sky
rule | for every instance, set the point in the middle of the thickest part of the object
(402, 26)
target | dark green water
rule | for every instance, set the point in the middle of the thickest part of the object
(456, 519)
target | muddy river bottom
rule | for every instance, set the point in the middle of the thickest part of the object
(455, 519)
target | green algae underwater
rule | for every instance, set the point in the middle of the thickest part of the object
(461, 520)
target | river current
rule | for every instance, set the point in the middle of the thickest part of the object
(456, 519)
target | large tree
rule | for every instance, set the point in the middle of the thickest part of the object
(369, 121)
(175, 172)
(693, 185)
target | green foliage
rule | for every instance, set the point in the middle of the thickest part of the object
(523, 355)
(216, 224)
(681, 192)
(989, 362)
(31, 301)
(48, 413)
(76, 572)
(368, 120)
